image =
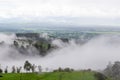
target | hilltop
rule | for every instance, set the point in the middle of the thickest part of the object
(77, 75)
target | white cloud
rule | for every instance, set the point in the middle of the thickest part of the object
(29, 9)
(108, 8)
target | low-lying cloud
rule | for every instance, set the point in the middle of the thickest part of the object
(94, 54)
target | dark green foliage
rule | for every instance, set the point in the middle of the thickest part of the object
(32, 40)
(16, 43)
(13, 69)
(49, 46)
(100, 76)
(38, 45)
(42, 47)
(19, 69)
(67, 70)
(6, 69)
(60, 69)
(1, 71)
(113, 70)
(63, 70)
(27, 66)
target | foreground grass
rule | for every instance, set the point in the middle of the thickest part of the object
(50, 76)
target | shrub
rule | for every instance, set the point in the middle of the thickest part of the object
(100, 76)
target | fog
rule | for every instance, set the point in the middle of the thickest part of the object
(94, 54)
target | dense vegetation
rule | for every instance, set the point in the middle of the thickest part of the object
(113, 70)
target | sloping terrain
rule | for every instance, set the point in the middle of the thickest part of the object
(80, 75)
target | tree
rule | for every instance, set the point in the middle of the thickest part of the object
(49, 46)
(6, 69)
(19, 69)
(13, 69)
(67, 70)
(60, 69)
(33, 68)
(113, 70)
(1, 70)
(16, 44)
(108, 70)
(116, 68)
(100, 76)
(27, 66)
(39, 69)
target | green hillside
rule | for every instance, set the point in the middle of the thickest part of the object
(81, 75)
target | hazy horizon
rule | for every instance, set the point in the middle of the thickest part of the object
(61, 12)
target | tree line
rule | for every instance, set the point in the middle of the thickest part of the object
(27, 67)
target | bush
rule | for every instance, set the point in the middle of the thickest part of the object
(63, 70)
(1, 71)
(100, 76)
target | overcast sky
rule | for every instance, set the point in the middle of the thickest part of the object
(76, 12)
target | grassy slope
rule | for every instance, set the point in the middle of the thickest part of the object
(50, 76)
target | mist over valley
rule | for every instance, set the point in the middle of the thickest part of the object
(81, 48)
